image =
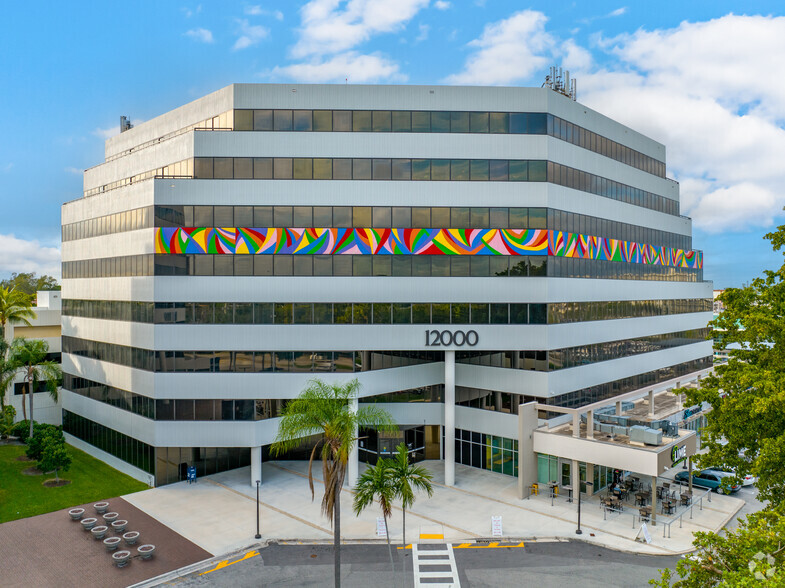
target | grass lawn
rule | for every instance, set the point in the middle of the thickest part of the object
(24, 496)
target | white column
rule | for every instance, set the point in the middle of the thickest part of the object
(354, 455)
(651, 403)
(449, 418)
(590, 424)
(256, 465)
(618, 407)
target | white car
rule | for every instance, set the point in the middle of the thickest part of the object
(748, 480)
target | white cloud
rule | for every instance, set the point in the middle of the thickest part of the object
(618, 12)
(508, 51)
(201, 35)
(424, 30)
(20, 255)
(74, 170)
(334, 26)
(703, 90)
(249, 34)
(7, 167)
(257, 10)
(189, 13)
(107, 132)
(441, 5)
(351, 66)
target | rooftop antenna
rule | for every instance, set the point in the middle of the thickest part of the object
(559, 81)
(125, 124)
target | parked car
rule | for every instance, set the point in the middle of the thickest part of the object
(748, 480)
(708, 479)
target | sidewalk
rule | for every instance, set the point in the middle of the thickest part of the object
(218, 513)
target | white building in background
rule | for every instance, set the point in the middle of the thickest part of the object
(46, 326)
(460, 251)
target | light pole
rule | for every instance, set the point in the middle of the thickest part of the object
(578, 530)
(258, 535)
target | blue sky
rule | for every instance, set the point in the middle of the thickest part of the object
(705, 78)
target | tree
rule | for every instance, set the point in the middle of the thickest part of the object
(407, 479)
(326, 409)
(30, 283)
(745, 431)
(41, 435)
(377, 484)
(15, 307)
(54, 456)
(752, 555)
(29, 357)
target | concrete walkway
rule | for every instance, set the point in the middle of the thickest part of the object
(218, 513)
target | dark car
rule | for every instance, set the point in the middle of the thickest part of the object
(708, 479)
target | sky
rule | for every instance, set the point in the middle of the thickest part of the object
(706, 78)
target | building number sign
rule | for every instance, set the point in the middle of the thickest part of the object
(437, 338)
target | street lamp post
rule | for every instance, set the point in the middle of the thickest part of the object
(258, 535)
(578, 530)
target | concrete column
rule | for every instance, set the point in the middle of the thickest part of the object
(618, 408)
(497, 401)
(354, 455)
(575, 479)
(256, 465)
(654, 500)
(590, 424)
(576, 424)
(527, 459)
(449, 418)
(590, 478)
(651, 403)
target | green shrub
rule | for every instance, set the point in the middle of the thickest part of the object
(54, 455)
(7, 421)
(41, 435)
(21, 430)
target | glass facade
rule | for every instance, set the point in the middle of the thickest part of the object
(329, 313)
(487, 452)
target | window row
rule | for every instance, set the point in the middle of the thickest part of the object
(372, 265)
(129, 220)
(314, 168)
(487, 452)
(569, 357)
(180, 169)
(398, 217)
(297, 313)
(262, 313)
(404, 121)
(130, 450)
(607, 390)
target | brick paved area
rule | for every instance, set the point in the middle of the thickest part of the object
(53, 550)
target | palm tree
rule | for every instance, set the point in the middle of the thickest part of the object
(326, 408)
(15, 307)
(377, 484)
(29, 357)
(407, 479)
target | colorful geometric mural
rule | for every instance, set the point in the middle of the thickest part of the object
(356, 241)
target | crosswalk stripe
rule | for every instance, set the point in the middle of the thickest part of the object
(437, 555)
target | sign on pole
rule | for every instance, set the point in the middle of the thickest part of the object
(496, 526)
(381, 528)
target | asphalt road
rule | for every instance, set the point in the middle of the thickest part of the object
(535, 564)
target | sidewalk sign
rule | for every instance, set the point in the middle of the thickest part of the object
(381, 529)
(645, 531)
(496, 526)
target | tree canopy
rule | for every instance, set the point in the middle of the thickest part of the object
(745, 432)
(746, 426)
(29, 283)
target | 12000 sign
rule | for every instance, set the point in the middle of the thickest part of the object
(436, 338)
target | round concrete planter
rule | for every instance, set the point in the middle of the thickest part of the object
(131, 537)
(119, 526)
(76, 513)
(110, 516)
(88, 524)
(112, 543)
(145, 551)
(101, 507)
(121, 558)
(99, 532)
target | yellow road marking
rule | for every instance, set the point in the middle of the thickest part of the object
(226, 563)
(431, 536)
(495, 545)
